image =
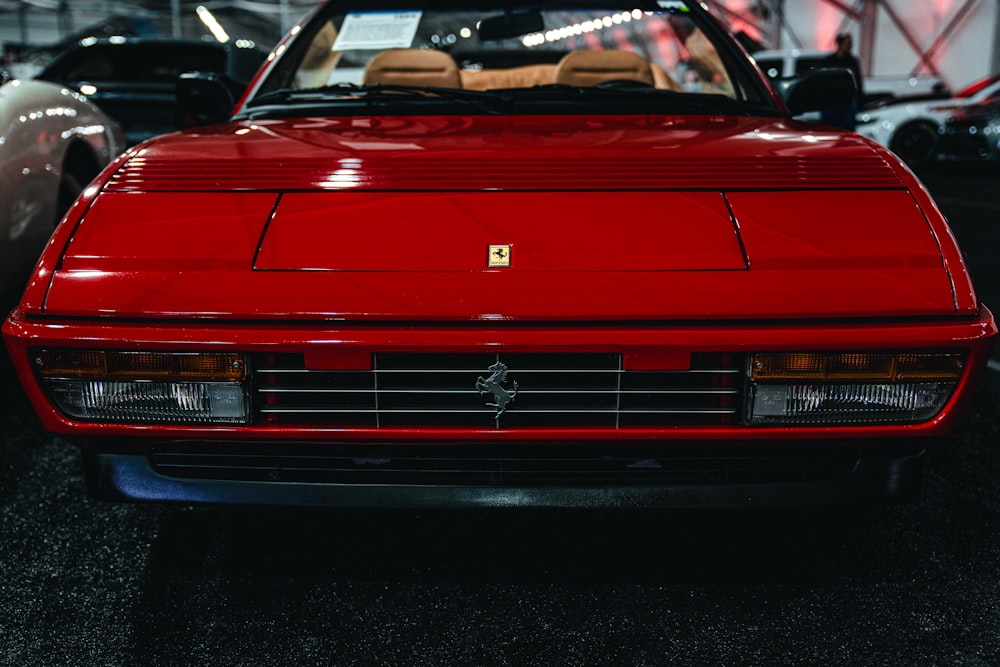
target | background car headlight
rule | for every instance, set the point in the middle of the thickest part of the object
(153, 387)
(851, 388)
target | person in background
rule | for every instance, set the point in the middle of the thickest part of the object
(844, 117)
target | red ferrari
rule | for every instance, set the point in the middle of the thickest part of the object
(556, 254)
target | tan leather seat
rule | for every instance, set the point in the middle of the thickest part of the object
(589, 68)
(413, 67)
(524, 76)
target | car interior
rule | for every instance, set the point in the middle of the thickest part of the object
(666, 55)
(423, 67)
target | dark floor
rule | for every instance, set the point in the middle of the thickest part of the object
(85, 583)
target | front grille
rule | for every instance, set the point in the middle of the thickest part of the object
(507, 466)
(461, 391)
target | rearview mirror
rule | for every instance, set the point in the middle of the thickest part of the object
(510, 26)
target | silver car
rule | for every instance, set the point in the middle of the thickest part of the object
(53, 142)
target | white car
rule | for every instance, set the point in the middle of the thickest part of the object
(912, 129)
(53, 142)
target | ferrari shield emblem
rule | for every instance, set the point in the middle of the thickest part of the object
(499, 256)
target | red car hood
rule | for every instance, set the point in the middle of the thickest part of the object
(599, 219)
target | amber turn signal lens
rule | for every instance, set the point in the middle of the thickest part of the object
(119, 365)
(856, 366)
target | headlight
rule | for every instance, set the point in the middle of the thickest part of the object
(852, 388)
(147, 387)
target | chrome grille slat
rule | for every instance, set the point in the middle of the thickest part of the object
(490, 411)
(304, 371)
(293, 390)
(554, 391)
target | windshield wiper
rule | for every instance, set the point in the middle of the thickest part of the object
(489, 101)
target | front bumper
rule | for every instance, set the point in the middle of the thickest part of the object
(824, 480)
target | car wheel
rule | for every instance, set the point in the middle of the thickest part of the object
(79, 167)
(69, 189)
(915, 143)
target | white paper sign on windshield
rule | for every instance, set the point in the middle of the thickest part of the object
(377, 30)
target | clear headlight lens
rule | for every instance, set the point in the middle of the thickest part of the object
(147, 387)
(851, 388)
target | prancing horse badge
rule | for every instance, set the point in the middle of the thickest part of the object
(499, 256)
(494, 385)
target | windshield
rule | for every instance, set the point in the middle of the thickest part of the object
(497, 61)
